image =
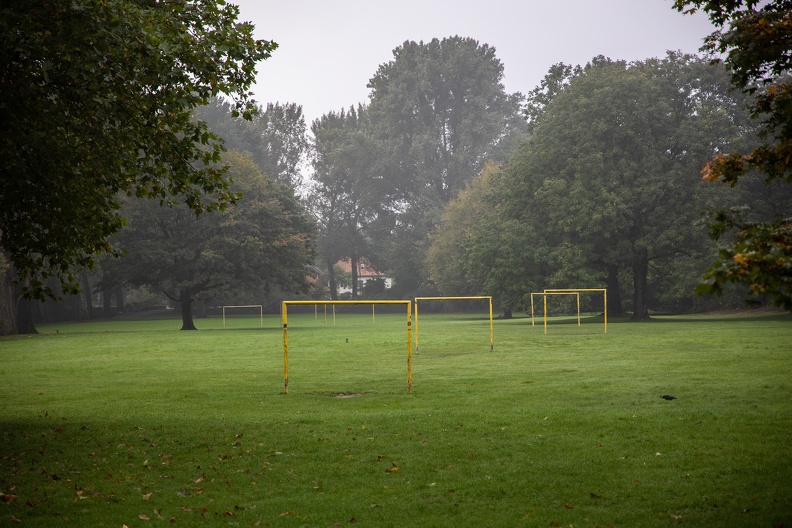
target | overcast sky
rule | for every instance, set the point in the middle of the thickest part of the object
(329, 49)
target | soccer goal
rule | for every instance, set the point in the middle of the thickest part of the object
(248, 308)
(491, 336)
(544, 304)
(285, 319)
(562, 291)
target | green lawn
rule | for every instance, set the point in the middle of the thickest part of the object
(136, 423)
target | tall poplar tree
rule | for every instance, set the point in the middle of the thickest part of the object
(442, 112)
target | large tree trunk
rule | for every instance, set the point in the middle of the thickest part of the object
(507, 313)
(186, 302)
(87, 291)
(8, 316)
(24, 315)
(331, 279)
(15, 315)
(354, 264)
(640, 279)
(614, 291)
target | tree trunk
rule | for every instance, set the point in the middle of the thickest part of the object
(331, 279)
(640, 279)
(8, 317)
(353, 260)
(615, 306)
(24, 316)
(119, 297)
(186, 301)
(86, 289)
(16, 317)
(107, 295)
(507, 313)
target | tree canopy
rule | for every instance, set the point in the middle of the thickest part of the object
(97, 101)
(264, 240)
(605, 189)
(754, 40)
(441, 111)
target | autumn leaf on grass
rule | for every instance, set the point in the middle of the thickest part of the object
(144, 517)
(7, 498)
(393, 469)
(147, 496)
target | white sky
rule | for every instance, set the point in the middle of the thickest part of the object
(329, 49)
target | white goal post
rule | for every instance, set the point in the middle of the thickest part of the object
(260, 307)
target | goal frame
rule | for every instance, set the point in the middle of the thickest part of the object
(259, 306)
(285, 318)
(544, 295)
(580, 290)
(475, 297)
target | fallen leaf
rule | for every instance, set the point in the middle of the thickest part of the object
(284, 514)
(568, 507)
(144, 517)
(7, 498)
(185, 508)
(147, 496)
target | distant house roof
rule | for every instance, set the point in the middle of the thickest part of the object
(364, 268)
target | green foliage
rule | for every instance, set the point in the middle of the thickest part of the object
(755, 42)
(349, 194)
(609, 178)
(441, 112)
(264, 240)
(275, 138)
(103, 423)
(97, 102)
(761, 256)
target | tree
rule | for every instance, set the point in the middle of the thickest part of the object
(275, 138)
(349, 194)
(756, 40)
(96, 105)
(262, 241)
(609, 173)
(442, 112)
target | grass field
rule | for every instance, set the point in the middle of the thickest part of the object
(133, 423)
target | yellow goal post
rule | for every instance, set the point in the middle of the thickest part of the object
(544, 295)
(285, 319)
(492, 343)
(581, 290)
(260, 307)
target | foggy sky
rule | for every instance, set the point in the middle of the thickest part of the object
(329, 49)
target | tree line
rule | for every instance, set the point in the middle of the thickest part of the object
(442, 179)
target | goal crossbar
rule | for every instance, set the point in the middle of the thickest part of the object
(285, 318)
(475, 297)
(260, 307)
(580, 290)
